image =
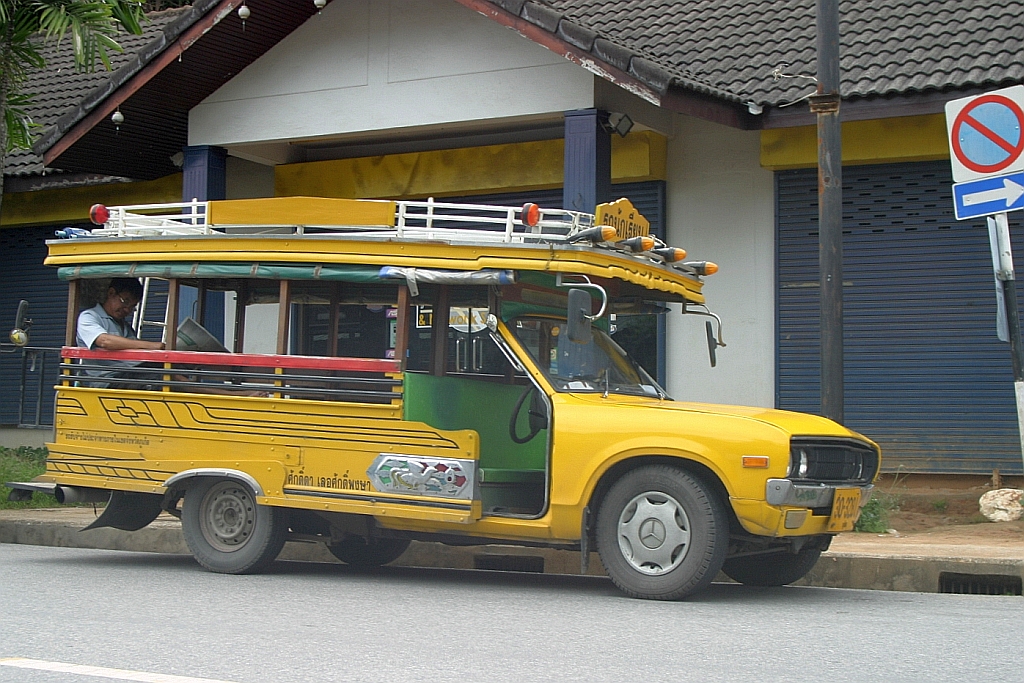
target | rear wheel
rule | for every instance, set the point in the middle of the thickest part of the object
(227, 531)
(775, 569)
(364, 553)
(661, 533)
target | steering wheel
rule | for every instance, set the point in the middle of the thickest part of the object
(535, 424)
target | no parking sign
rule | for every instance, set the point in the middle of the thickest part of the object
(986, 134)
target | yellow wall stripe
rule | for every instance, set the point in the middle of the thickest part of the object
(908, 138)
(71, 204)
(512, 167)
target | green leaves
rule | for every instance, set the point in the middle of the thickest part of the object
(19, 124)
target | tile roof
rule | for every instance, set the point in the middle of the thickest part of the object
(59, 87)
(727, 50)
(730, 48)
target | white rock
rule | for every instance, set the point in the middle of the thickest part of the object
(1002, 505)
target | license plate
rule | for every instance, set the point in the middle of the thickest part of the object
(845, 509)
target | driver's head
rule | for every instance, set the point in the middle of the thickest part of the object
(123, 296)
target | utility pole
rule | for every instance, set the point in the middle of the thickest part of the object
(825, 104)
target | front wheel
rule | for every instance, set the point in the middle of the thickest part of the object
(363, 553)
(227, 531)
(662, 533)
(774, 569)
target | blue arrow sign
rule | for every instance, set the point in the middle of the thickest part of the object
(988, 196)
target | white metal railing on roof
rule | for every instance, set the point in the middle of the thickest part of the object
(416, 220)
(140, 220)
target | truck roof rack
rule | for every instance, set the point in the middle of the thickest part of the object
(416, 220)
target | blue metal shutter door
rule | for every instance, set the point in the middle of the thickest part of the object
(926, 376)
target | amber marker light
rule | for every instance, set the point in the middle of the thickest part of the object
(530, 214)
(99, 214)
(670, 254)
(703, 267)
(600, 233)
(756, 461)
(638, 244)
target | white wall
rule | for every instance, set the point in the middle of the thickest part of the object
(390, 64)
(721, 208)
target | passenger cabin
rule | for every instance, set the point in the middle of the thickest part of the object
(363, 328)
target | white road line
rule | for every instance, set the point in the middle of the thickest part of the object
(101, 672)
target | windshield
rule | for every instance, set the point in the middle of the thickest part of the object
(597, 365)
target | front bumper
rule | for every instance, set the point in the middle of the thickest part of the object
(783, 492)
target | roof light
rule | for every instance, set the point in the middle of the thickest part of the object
(598, 233)
(530, 215)
(99, 214)
(670, 254)
(638, 244)
(703, 267)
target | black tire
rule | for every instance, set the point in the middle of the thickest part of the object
(227, 531)
(688, 537)
(363, 553)
(775, 569)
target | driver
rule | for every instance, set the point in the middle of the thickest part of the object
(104, 327)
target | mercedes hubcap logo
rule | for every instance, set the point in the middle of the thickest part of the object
(652, 533)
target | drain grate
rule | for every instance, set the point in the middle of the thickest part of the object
(509, 563)
(979, 584)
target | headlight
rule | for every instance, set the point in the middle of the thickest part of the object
(801, 471)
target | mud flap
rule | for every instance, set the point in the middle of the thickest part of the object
(128, 511)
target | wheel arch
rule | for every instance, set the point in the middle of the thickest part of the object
(182, 480)
(619, 469)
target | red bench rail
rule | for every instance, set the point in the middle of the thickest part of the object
(259, 360)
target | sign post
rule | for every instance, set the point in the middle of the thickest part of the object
(986, 144)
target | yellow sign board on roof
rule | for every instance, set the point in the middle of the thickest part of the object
(623, 216)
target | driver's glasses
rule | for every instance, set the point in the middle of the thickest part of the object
(127, 303)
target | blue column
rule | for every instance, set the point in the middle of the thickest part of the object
(204, 178)
(588, 161)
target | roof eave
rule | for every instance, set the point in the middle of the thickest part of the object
(103, 100)
(616, 64)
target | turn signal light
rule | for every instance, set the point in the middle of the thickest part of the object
(703, 267)
(759, 461)
(99, 214)
(638, 244)
(599, 233)
(669, 254)
(530, 215)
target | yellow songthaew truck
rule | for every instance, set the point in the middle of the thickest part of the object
(367, 373)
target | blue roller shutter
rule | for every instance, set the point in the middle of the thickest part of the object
(926, 376)
(25, 277)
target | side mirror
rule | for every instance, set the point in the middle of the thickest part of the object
(22, 324)
(712, 342)
(578, 318)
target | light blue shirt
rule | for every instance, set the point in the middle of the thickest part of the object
(92, 322)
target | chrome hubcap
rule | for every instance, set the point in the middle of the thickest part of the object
(229, 513)
(654, 533)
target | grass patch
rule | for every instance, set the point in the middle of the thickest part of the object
(874, 516)
(940, 505)
(23, 464)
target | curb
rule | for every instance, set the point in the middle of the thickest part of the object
(834, 570)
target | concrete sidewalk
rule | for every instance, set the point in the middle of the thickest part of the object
(975, 558)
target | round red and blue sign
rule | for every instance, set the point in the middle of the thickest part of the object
(986, 136)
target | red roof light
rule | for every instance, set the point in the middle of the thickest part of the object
(99, 214)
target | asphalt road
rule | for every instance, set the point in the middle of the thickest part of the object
(149, 617)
